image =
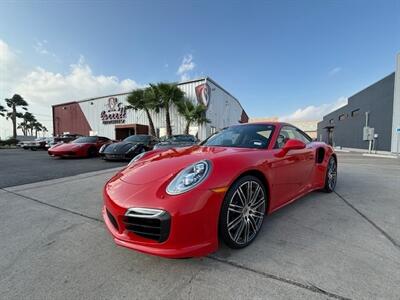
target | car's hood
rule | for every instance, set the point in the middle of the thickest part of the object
(121, 147)
(67, 146)
(166, 163)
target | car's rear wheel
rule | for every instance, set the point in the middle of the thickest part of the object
(242, 212)
(331, 175)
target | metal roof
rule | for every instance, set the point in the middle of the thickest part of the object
(178, 83)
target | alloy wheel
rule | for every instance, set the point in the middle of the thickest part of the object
(332, 174)
(245, 212)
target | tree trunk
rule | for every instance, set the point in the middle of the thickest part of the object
(14, 121)
(151, 124)
(187, 127)
(168, 121)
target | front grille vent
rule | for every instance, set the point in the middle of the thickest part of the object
(151, 224)
(112, 219)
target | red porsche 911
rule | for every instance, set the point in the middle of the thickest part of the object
(85, 146)
(181, 202)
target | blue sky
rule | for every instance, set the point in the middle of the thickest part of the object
(275, 56)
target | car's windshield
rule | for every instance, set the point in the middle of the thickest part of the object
(85, 139)
(242, 136)
(181, 138)
(137, 138)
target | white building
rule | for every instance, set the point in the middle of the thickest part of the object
(108, 116)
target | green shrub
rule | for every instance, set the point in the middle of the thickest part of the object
(9, 142)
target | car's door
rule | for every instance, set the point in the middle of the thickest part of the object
(291, 171)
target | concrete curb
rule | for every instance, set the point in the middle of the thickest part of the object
(379, 155)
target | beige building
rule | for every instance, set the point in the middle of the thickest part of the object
(309, 127)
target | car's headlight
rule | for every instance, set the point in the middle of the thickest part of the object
(189, 178)
(136, 158)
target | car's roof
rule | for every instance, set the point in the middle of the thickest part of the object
(273, 123)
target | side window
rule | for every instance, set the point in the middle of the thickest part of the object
(289, 132)
(285, 134)
(302, 137)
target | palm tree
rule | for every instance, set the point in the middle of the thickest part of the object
(37, 126)
(13, 103)
(24, 127)
(168, 94)
(2, 110)
(44, 130)
(27, 126)
(192, 113)
(147, 100)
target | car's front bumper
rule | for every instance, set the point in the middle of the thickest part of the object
(193, 216)
(67, 153)
(108, 156)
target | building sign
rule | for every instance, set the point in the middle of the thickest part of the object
(115, 112)
(203, 94)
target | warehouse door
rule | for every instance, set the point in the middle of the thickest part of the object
(122, 133)
(125, 130)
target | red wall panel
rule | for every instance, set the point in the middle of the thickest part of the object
(70, 118)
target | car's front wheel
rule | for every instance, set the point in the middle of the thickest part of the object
(331, 175)
(242, 212)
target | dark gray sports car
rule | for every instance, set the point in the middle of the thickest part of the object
(176, 141)
(128, 148)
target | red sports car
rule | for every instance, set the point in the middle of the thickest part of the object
(85, 146)
(182, 202)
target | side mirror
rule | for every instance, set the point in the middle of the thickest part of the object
(291, 144)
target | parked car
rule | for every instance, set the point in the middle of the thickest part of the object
(182, 202)
(85, 146)
(39, 144)
(51, 142)
(128, 148)
(177, 141)
(24, 141)
(65, 138)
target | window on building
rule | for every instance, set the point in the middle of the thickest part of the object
(355, 112)
(342, 117)
(331, 121)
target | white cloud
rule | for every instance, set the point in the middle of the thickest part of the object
(186, 66)
(43, 88)
(313, 113)
(335, 71)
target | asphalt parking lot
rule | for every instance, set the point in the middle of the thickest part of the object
(26, 166)
(343, 245)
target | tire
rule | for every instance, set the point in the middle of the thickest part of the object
(331, 175)
(92, 152)
(240, 223)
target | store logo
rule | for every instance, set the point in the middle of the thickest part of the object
(115, 112)
(203, 94)
(112, 103)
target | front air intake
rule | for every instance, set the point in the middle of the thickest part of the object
(153, 224)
